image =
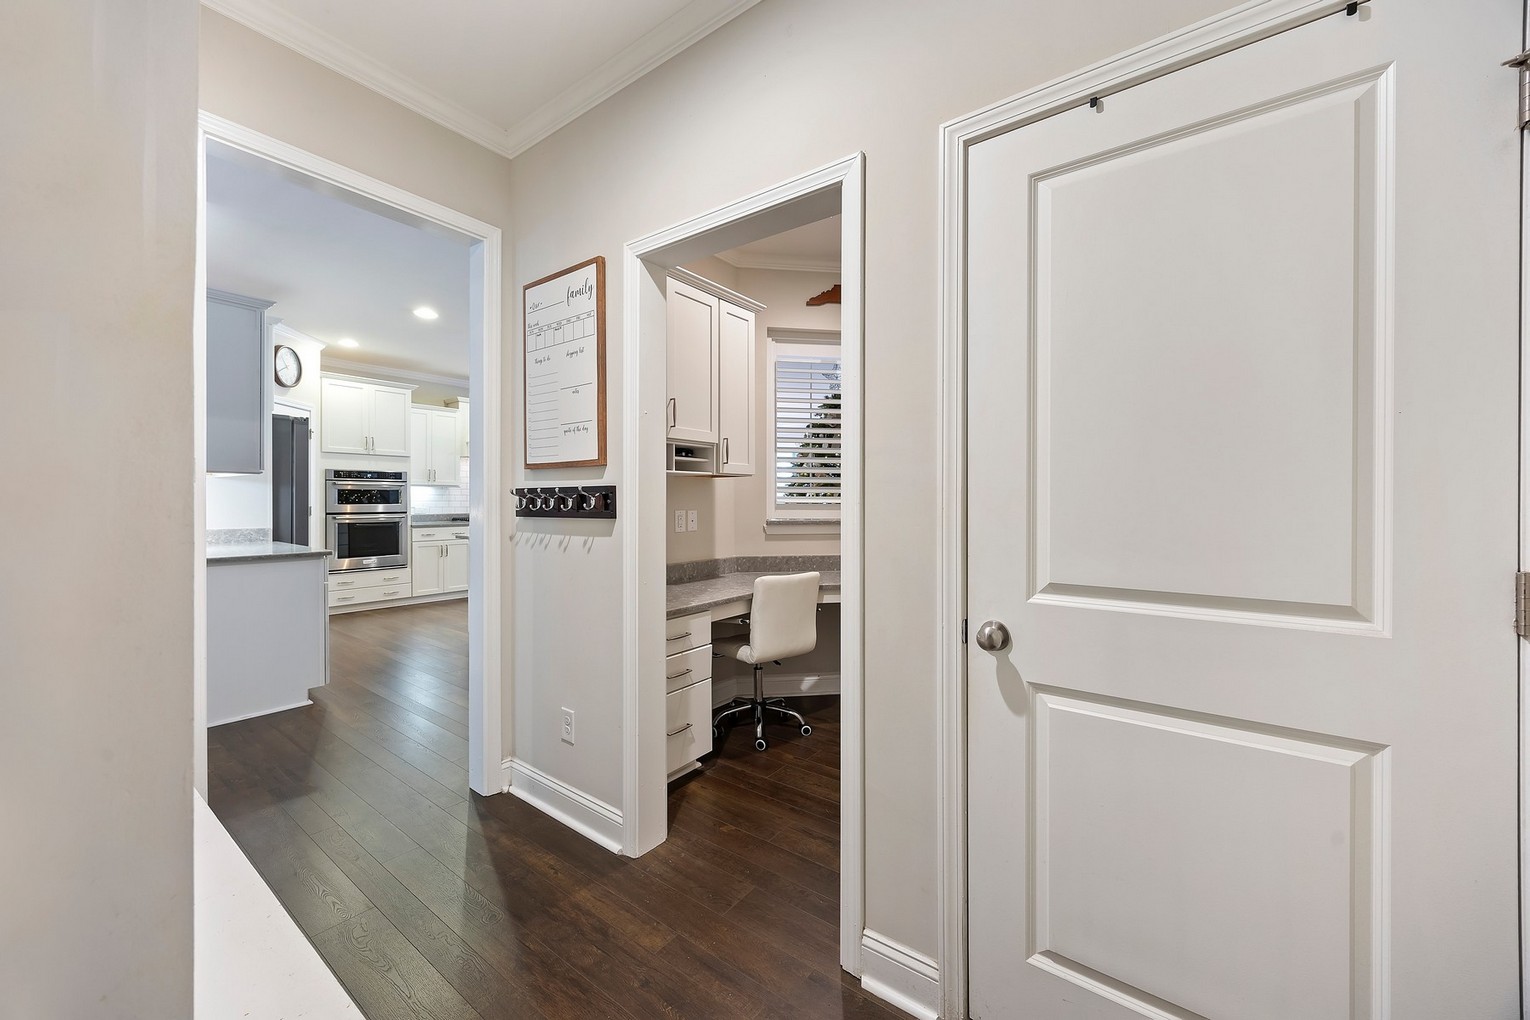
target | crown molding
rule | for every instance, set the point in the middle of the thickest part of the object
(685, 27)
(344, 59)
(780, 263)
(361, 368)
(688, 25)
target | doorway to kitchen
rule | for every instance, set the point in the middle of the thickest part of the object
(398, 367)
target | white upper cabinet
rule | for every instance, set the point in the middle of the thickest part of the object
(435, 445)
(363, 417)
(343, 423)
(692, 406)
(464, 423)
(711, 373)
(735, 390)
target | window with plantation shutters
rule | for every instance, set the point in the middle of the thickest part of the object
(805, 431)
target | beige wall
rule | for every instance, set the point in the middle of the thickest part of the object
(97, 198)
(797, 84)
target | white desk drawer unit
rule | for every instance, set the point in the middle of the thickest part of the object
(687, 724)
(688, 687)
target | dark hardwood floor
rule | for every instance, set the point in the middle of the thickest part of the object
(429, 901)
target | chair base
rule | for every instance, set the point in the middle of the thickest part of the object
(758, 706)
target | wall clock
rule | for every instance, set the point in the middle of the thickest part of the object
(289, 367)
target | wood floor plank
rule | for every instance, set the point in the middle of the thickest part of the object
(430, 901)
(386, 975)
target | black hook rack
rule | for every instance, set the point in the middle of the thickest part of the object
(586, 502)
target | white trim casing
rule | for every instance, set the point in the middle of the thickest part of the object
(1524, 562)
(589, 816)
(487, 674)
(690, 24)
(838, 187)
(1241, 26)
(897, 974)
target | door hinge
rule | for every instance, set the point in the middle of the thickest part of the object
(1522, 603)
(964, 630)
(1521, 64)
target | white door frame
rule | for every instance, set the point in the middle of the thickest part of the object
(1243, 25)
(486, 661)
(838, 187)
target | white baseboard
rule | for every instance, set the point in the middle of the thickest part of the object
(895, 973)
(777, 685)
(594, 819)
(257, 715)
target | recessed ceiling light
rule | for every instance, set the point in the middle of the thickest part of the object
(348, 342)
(426, 313)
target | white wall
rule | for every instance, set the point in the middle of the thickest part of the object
(97, 198)
(797, 84)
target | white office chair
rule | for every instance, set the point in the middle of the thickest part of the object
(783, 621)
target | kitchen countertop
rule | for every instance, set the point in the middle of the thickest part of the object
(694, 596)
(436, 522)
(253, 552)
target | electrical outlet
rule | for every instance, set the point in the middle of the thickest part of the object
(679, 521)
(690, 520)
(568, 725)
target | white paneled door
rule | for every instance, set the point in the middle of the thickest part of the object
(1242, 419)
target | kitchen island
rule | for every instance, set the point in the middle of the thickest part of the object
(267, 627)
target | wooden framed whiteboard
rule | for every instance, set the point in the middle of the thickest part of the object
(565, 367)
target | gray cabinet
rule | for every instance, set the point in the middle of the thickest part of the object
(238, 383)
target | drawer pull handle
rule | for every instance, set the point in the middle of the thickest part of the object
(344, 598)
(677, 637)
(676, 733)
(393, 592)
(678, 675)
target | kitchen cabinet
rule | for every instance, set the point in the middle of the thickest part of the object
(434, 445)
(464, 422)
(363, 417)
(239, 375)
(439, 563)
(688, 692)
(711, 408)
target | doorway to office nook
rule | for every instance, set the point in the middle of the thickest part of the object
(779, 473)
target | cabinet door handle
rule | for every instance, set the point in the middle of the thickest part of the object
(725, 449)
(674, 412)
(678, 675)
(676, 733)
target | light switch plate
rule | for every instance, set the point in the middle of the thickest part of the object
(690, 520)
(679, 521)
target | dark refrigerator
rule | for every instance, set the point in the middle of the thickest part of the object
(289, 479)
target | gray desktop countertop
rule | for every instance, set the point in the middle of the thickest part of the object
(253, 552)
(694, 596)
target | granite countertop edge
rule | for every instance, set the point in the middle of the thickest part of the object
(256, 552)
(709, 593)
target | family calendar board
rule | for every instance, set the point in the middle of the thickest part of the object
(565, 367)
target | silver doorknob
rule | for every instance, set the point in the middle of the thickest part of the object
(993, 636)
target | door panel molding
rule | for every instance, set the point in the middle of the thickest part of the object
(1222, 33)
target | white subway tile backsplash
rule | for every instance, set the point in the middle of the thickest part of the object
(441, 499)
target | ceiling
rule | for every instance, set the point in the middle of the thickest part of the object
(813, 248)
(337, 270)
(505, 73)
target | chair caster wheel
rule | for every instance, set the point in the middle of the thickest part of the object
(807, 731)
(717, 732)
(759, 745)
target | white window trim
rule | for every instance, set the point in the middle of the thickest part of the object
(782, 520)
